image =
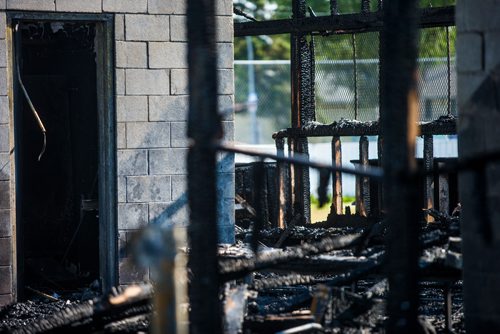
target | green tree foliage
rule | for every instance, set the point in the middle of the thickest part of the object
(433, 41)
(273, 86)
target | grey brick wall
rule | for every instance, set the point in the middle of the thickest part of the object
(478, 66)
(151, 104)
(6, 222)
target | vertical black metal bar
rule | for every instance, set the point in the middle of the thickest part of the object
(355, 75)
(448, 64)
(429, 180)
(203, 129)
(398, 123)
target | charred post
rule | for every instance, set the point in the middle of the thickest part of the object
(429, 180)
(336, 177)
(203, 129)
(380, 156)
(398, 118)
(302, 108)
(363, 183)
(282, 186)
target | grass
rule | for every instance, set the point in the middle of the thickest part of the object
(320, 214)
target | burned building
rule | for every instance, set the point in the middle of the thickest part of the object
(93, 111)
(423, 233)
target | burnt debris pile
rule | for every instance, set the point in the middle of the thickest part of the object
(333, 280)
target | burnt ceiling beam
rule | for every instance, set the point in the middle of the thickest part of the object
(341, 24)
(443, 126)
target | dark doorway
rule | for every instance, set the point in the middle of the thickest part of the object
(58, 194)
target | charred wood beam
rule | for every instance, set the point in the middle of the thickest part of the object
(282, 186)
(330, 264)
(337, 205)
(204, 127)
(297, 299)
(448, 304)
(302, 111)
(234, 269)
(370, 234)
(346, 278)
(287, 231)
(442, 126)
(274, 323)
(259, 201)
(301, 187)
(429, 180)
(380, 188)
(311, 328)
(283, 281)
(443, 192)
(363, 183)
(399, 113)
(95, 314)
(353, 305)
(341, 24)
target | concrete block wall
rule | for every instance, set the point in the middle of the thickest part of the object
(7, 205)
(478, 66)
(151, 106)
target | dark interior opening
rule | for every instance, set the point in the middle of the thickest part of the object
(58, 221)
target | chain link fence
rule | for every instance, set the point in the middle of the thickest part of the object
(347, 82)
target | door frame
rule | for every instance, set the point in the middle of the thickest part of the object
(106, 114)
